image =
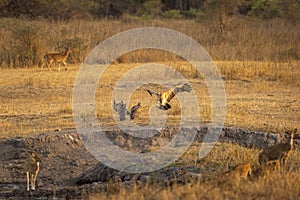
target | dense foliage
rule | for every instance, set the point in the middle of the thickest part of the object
(67, 9)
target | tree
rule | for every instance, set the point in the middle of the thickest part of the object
(223, 10)
(59, 9)
(266, 9)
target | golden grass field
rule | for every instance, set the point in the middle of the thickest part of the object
(259, 96)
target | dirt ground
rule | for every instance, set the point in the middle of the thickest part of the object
(68, 170)
(63, 159)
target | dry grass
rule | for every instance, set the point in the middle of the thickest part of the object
(23, 42)
(260, 96)
(282, 187)
(222, 158)
(33, 102)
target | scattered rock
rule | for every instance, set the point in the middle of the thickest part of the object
(68, 169)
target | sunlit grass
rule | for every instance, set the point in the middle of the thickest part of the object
(258, 97)
(222, 158)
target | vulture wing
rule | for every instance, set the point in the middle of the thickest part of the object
(152, 92)
(167, 96)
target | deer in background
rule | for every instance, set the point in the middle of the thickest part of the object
(32, 167)
(59, 58)
(240, 171)
(278, 154)
(235, 175)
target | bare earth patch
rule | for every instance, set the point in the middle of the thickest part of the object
(69, 171)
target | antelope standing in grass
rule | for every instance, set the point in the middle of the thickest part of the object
(59, 58)
(238, 173)
(32, 167)
(277, 155)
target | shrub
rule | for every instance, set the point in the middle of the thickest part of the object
(26, 44)
(174, 14)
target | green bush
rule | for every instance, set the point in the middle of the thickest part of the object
(174, 14)
(194, 14)
(266, 9)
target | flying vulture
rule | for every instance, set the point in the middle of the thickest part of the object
(165, 97)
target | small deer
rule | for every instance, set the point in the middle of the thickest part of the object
(241, 171)
(238, 173)
(277, 154)
(59, 58)
(32, 167)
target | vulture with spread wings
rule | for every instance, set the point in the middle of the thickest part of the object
(165, 97)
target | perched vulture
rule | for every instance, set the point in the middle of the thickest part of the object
(120, 108)
(134, 110)
(165, 97)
